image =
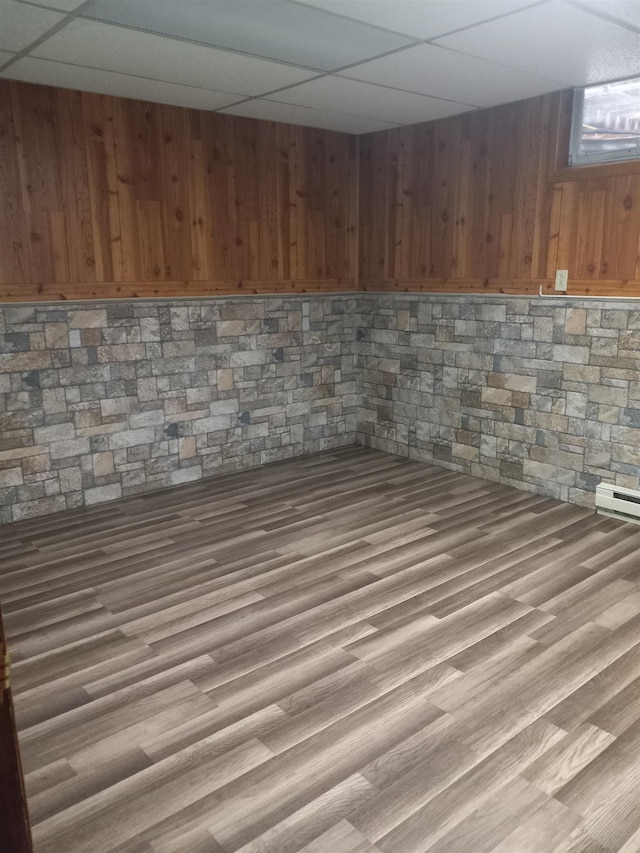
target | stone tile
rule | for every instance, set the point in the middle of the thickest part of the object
(568, 400)
(131, 437)
(518, 382)
(171, 349)
(19, 361)
(179, 318)
(41, 506)
(10, 477)
(123, 352)
(468, 379)
(35, 464)
(103, 464)
(609, 395)
(630, 417)
(99, 494)
(56, 335)
(581, 373)
(576, 404)
(58, 432)
(576, 321)
(187, 447)
(119, 405)
(186, 475)
(70, 479)
(153, 417)
(496, 396)
(73, 447)
(149, 329)
(230, 328)
(464, 451)
(147, 389)
(252, 310)
(87, 318)
(571, 354)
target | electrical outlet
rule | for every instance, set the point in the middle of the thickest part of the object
(562, 279)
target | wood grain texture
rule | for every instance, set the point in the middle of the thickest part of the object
(328, 654)
(166, 289)
(15, 833)
(105, 197)
(521, 287)
(108, 197)
(482, 202)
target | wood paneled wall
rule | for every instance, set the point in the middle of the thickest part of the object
(481, 202)
(108, 197)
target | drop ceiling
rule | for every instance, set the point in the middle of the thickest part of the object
(349, 65)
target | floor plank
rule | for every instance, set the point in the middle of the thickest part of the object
(340, 653)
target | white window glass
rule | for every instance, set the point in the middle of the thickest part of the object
(606, 122)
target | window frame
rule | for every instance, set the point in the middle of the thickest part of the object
(558, 122)
(574, 157)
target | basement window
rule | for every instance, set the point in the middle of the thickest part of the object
(605, 126)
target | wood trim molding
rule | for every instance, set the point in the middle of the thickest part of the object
(517, 287)
(166, 289)
(15, 833)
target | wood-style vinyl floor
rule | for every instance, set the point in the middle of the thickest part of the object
(348, 652)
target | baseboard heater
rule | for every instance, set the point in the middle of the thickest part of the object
(618, 502)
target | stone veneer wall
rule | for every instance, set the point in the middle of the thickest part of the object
(102, 400)
(538, 393)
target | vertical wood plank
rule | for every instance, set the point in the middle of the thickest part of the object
(95, 118)
(101, 190)
(498, 212)
(112, 185)
(174, 194)
(590, 218)
(125, 170)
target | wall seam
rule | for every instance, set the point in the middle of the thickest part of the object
(357, 269)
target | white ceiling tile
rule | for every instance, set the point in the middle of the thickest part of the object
(119, 49)
(626, 12)
(556, 40)
(276, 29)
(421, 19)
(432, 70)
(32, 70)
(364, 99)
(496, 51)
(64, 5)
(291, 114)
(20, 25)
